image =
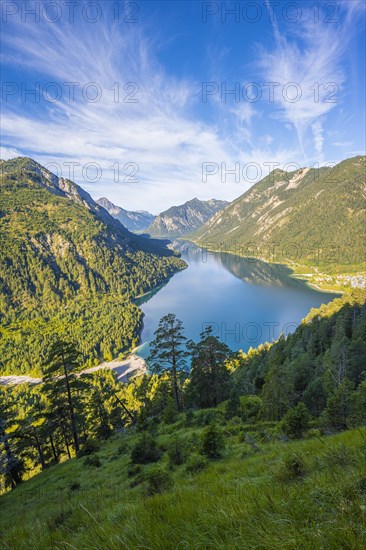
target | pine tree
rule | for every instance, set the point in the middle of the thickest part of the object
(209, 380)
(340, 406)
(168, 354)
(61, 381)
(277, 390)
(11, 467)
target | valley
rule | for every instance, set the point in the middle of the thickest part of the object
(133, 221)
(247, 301)
(181, 220)
(182, 275)
(138, 374)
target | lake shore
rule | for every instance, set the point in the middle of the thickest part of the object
(339, 283)
(124, 370)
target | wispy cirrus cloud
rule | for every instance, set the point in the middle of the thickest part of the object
(148, 116)
(307, 65)
(149, 123)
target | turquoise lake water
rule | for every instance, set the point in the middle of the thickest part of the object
(247, 301)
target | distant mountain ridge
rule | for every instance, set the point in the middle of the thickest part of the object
(313, 216)
(133, 221)
(181, 220)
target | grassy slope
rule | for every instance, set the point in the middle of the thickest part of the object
(244, 500)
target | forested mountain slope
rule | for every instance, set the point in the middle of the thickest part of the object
(67, 265)
(310, 216)
(265, 446)
(133, 221)
(182, 220)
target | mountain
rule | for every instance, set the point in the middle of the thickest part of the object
(184, 219)
(133, 221)
(311, 216)
(67, 267)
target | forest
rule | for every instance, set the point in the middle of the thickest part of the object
(68, 268)
(277, 432)
(312, 217)
(314, 378)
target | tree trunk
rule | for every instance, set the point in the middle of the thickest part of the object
(174, 372)
(71, 408)
(15, 477)
(40, 452)
(213, 377)
(176, 389)
(55, 456)
(66, 442)
(103, 421)
(123, 405)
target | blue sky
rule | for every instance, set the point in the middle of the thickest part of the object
(147, 117)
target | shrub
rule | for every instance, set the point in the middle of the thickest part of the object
(153, 424)
(145, 450)
(157, 481)
(170, 413)
(314, 432)
(89, 447)
(189, 418)
(194, 442)
(122, 448)
(249, 439)
(234, 427)
(296, 421)
(75, 486)
(233, 406)
(213, 441)
(177, 453)
(206, 417)
(196, 463)
(293, 468)
(133, 470)
(92, 461)
(251, 407)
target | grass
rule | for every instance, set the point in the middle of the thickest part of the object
(303, 494)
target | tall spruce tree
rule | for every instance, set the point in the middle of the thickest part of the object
(61, 382)
(11, 467)
(209, 380)
(168, 354)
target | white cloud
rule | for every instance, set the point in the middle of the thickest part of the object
(7, 153)
(343, 143)
(318, 133)
(158, 132)
(311, 58)
(161, 132)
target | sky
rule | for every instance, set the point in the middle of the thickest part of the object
(152, 103)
